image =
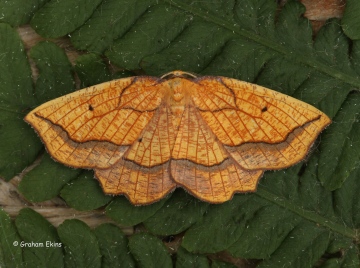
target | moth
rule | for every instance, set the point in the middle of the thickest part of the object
(144, 136)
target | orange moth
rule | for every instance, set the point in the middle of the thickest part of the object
(144, 136)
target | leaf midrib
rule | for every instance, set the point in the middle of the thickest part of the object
(309, 61)
(309, 215)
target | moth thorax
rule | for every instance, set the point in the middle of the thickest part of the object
(177, 89)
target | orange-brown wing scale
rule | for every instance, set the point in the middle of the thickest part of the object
(146, 136)
(267, 130)
(143, 172)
